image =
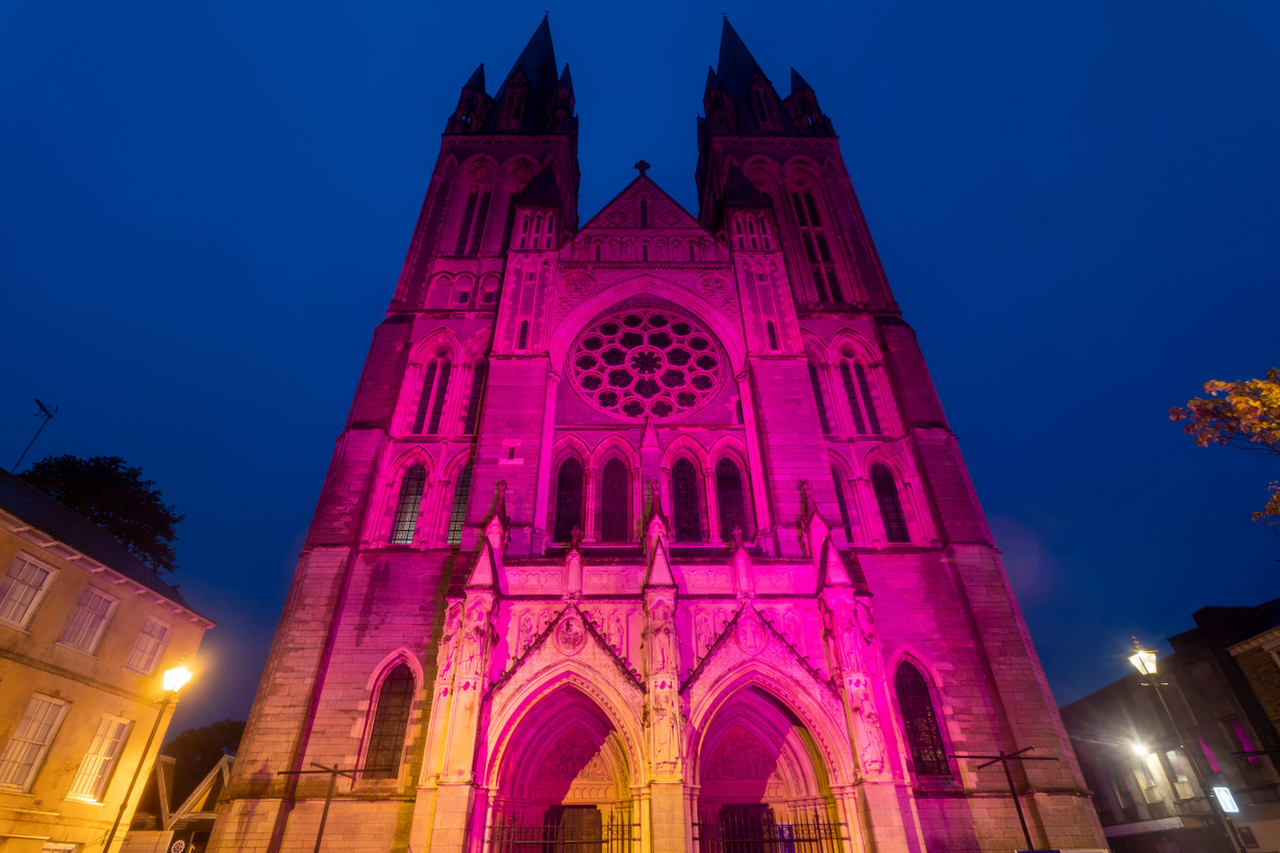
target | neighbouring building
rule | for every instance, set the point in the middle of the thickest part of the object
(1223, 690)
(178, 807)
(86, 629)
(648, 531)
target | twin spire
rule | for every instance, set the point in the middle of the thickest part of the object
(739, 98)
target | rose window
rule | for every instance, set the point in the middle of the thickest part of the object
(653, 363)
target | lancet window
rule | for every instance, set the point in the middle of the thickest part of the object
(813, 234)
(408, 504)
(815, 381)
(435, 384)
(644, 213)
(471, 229)
(843, 503)
(730, 499)
(686, 508)
(458, 512)
(886, 489)
(474, 400)
(390, 722)
(861, 404)
(920, 722)
(615, 502)
(568, 500)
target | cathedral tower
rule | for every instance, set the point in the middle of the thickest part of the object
(649, 531)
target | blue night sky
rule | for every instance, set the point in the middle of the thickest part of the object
(204, 208)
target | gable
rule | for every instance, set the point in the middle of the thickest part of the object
(623, 213)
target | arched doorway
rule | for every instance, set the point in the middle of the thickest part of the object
(564, 785)
(762, 783)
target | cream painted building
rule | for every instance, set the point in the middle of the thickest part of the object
(86, 631)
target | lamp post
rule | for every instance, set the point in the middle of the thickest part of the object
(174, 679)
(1145, 661)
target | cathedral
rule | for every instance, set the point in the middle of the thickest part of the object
(648, 533)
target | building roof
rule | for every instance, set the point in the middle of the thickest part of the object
(798, 83)
(538, 64)
(736, 66)
(740, 192)
(542, 191)
(34, 507)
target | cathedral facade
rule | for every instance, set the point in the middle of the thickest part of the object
(648, 532)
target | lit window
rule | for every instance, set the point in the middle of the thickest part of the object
(21, 589)
(88, 621)
(22, 755)
(390, 722)
(895, 521)
(146, 649)
(100, 760)
(920, 723)
(408, 505)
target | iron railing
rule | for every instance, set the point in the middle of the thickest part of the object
(758, 833)
(518, 833)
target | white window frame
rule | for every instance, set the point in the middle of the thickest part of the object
(99, 762)
(91, 645)
(21, 624)
(59, 847)
(161, 644)
(20, 736)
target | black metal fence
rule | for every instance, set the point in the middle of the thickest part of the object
(564, 830)
(755, 831)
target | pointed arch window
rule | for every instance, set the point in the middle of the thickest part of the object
(815, 381)
(473, 401)
(817, 249)
(458, 512)
(464, 229)
(522, 340)
(644, 252)
(568, 500)
(408, 504)
(477, 227)
(762, 106)
(920, 722)
(597, 251)
(431, 389)
(390, 723)
(437, 407)
(615, 501)
(772, 330)
(730, 499)
(862, 404)
(843, 503)
(644, 213)
(684, 500)
(764, 232)
(886, 489)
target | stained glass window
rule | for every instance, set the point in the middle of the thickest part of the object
(920, 723)
(895, 521)
(684, 497)
(614, 502)
(730, 499)
(386, 738)
(458, 512)
(568, 500)
(408, 504)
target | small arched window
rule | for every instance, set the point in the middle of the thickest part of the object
(523, 341)
(816, 382)
(693, 254)
(730, 500)
(684, 499)
(477, 227)
(458, 512)
(764, 232)
(437, 407)
(773, 334)
(408, 504)
(390, 722)
(895, 521)
(615, 501)
(843, 503)
(644, 251)
(473, 401)
(762, 109)
(597, 251)
(920, 723)
(568, 500)
(644, 213)
(524, 231)
(464, 228)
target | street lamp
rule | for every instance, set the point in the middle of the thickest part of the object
(1144, 660)
(174, 679)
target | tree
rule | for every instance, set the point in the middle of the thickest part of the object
(204, 747)
(105, 490)
(1247, 417)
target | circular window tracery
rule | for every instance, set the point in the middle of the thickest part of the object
(646, 362)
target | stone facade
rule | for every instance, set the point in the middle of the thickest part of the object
(86, 631)
(648, 530)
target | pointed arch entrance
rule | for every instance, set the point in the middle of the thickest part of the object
(564, 784)
(762, 781)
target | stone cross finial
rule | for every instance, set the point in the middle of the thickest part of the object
(643, 167)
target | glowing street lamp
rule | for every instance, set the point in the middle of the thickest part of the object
(1144, 661)
(174, 680)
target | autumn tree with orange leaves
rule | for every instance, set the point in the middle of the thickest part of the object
(1244, 415)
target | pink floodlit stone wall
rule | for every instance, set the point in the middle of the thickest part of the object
(731, 656)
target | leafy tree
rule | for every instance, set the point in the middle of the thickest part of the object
(1247, 417)
(204, 747)
(105, 490)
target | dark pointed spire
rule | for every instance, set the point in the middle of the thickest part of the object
(476, 80)
(736, 65)
(537, 60)
(566, 82)
(713, 82)
(535, 68)
(798, 83)
(542, 191)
